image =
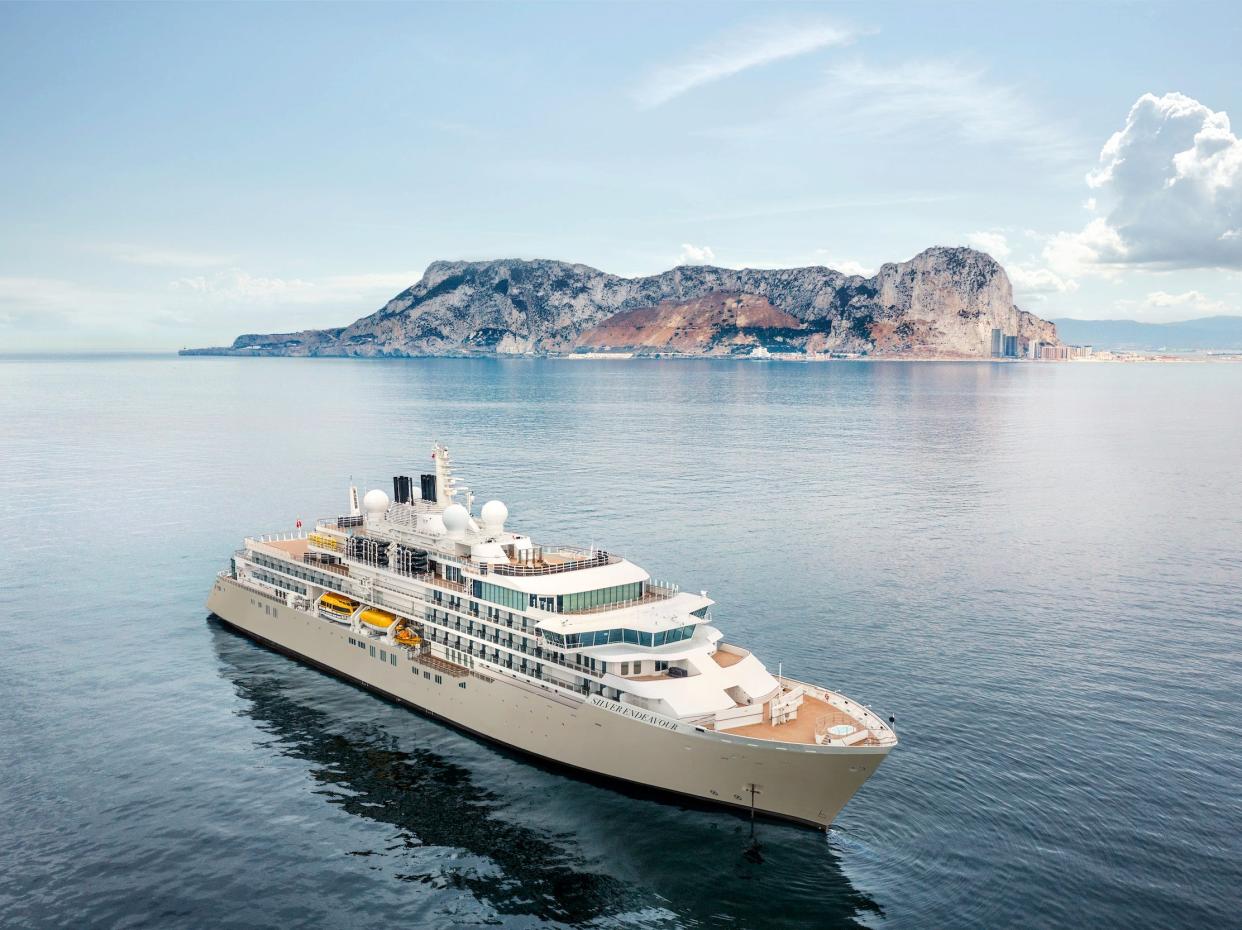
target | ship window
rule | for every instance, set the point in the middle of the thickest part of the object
(631, 636)
(661, 666)
(393, 658)
(625, 668)
(660, 638)
(644, 639)
(383, 656)
(439, 680)
(427, 675)
(372, 652)
(499, 594)
(461, 684)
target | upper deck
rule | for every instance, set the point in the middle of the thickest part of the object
(576, 621)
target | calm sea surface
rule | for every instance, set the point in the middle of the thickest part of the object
(1037, 568)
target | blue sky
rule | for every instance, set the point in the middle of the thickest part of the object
(177, 174)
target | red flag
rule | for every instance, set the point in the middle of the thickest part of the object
(299, 524)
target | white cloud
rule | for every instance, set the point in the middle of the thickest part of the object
(731, 54)
(1083, 252)
(695, 254)
(1191, 300)
(1171, 183)
(994, 243)
(1032, 282)
(846, 266)
(945, 97)
(239, 286)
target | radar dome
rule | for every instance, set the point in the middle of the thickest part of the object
(456, 517)
(494, 514)
(376, 501)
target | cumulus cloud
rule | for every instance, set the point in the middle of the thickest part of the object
(994, 243)
(695, 254)
(1032, 282)
(846, 266)
(1170, 184)
(757, 45)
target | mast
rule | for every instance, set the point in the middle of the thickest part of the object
(447, 487)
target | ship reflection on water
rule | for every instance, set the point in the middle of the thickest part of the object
(568, 852)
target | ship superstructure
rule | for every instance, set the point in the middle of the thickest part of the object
(573, 654)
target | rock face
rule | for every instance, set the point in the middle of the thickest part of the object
(944, 302)
(721, 323)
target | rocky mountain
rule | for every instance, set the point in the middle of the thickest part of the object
(720, 323)
(943, 302)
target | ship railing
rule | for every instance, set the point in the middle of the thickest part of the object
(861, 715)
(280, 537)
(575, 559)
(439, 632)
(707, 721)
(262, 587)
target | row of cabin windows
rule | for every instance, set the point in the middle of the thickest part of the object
(633, 637)
(279, 581)
(306, 574)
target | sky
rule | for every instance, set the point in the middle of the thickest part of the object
(177, 174)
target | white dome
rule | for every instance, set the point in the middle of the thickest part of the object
(376, 501)
(494, 514)
(455, 518)
(434, 524)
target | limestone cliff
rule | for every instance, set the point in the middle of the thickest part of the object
(943, 302)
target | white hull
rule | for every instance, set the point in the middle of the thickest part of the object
(808, 784)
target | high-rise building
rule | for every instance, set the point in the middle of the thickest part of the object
(1011, 347)
(998, 343)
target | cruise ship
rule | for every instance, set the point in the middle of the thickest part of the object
(574, 655)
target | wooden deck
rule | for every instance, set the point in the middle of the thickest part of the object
(295, 547)
(802, 729)
(726, 659)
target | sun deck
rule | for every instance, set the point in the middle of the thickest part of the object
(294, 547)
(815, 719)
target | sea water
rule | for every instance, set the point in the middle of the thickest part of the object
(1035, 567)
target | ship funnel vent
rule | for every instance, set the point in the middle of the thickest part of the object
(402, 489)
(428, 487)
